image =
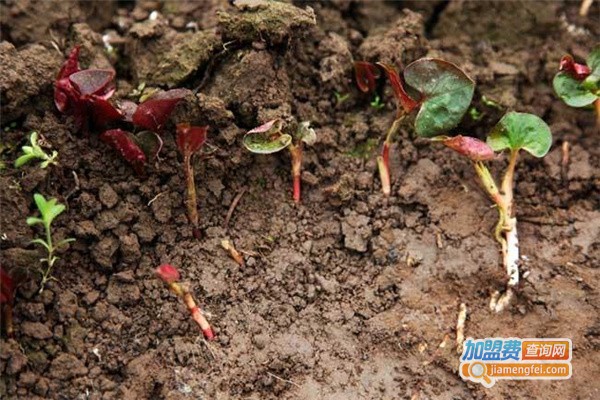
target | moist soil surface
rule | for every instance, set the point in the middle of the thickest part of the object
(348, 295)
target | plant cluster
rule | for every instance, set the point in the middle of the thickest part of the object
(442, 93)
(437, 92)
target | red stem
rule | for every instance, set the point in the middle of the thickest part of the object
(296, 153)
(197, 315)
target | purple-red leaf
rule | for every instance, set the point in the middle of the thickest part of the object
(190, 138)
(168, 273)
(93, 81)
(403, 99)
(366, 75)
(473, 148)
(103, 112)
(122, 141)
(577, 71)
(154, 112)
(71, 65)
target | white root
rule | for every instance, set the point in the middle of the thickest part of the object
(511, 257)
(511, 263)
(460, 327)
(584, 9)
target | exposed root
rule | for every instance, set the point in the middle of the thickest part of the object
(460, 327)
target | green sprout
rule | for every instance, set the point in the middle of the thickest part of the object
(377, 103)
(36, 152)
(49, 210)
(341, 97)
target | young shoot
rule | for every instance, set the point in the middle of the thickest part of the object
(514, 132)
(170, 275)
(35, 151)
(578, 85)
(190, 140)
(269, 138)
(440, 92)
(49, 210)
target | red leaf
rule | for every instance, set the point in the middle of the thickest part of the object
(190, 138)
(168, 273)
(64, 95)
(7, 287)
(473, 148)
(93, 81)
(404, 100)
(103, 112)
(71, 65)
(366, 75)
(577, 71)
(154, 112)
(121, 141)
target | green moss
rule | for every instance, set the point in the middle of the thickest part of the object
(189, 53)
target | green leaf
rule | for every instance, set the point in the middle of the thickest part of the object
(34, 220)
(447, 92)
(24, 159)
(517, 131)
(64, 242)
(571, 91)
(41, 242)
(593, 61)
(49, 209)
(267, 138)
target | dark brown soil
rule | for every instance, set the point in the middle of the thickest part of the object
(346, 296)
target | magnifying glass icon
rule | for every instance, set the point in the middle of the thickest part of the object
(477, 371)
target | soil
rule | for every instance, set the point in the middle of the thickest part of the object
(349, 295)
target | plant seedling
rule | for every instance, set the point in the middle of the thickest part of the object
(514, 132)
(170, 275)
(36, 152)
(269, 138)
(49, 210)
(150, 116)
(190, 140)
(578, 85)
(440, 91)
(85, 93)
